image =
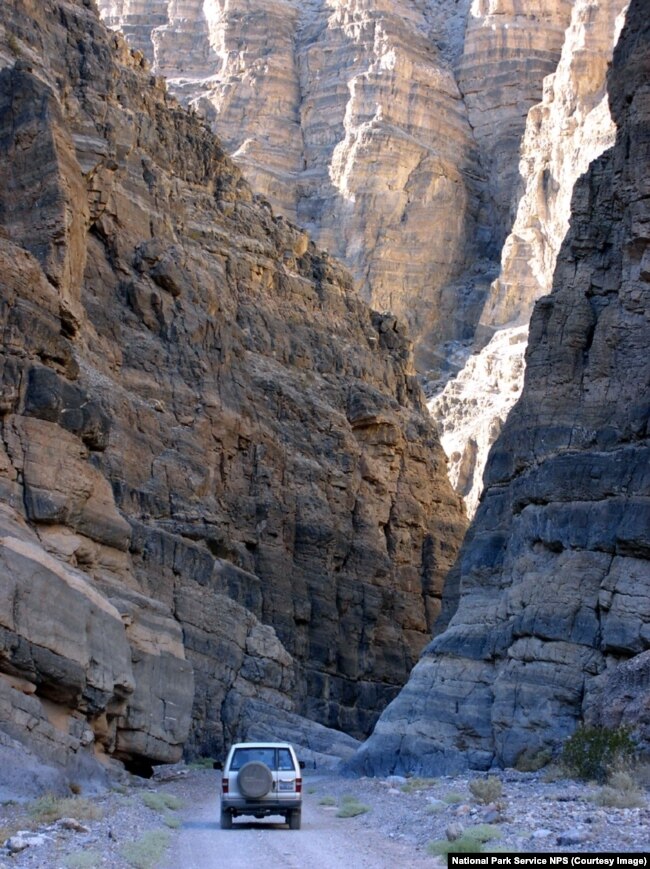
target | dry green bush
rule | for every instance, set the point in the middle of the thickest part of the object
(13, 45)
(146, 851)
(350, 807)
(483, 832)
(413, 785)
(620, 792)
(172, 821)
(50, 808)
(592, 752)
(83, 860)
(201, 763)
(532, 761)
(464, 845)
(327, 801)
(486, 790)
(160, 802)
(453, 797)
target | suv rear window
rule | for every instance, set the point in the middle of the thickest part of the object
(274, 758)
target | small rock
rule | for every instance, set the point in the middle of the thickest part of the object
(396, 780)
(454, 831)
(437, 804)
(492, 816)
(393, 791)
(463, 809)
(572, 837)
(74, 825)
(16, 844)
(541, 834)
(24, 839)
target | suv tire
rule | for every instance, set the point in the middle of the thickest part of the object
(295, 818)
(254, 780)
(226, 820)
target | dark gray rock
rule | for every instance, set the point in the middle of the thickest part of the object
(551, 592)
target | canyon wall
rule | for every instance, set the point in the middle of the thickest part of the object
(431, 146)
(548, 604)
(221, 491)
(564, 133)
(390, 130)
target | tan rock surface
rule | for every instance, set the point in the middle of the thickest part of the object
(568, 129)
(347, 116)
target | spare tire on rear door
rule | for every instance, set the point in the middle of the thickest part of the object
(254, 780)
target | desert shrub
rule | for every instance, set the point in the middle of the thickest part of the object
(201, 763)
(160, 802)
(350, 807)
(9, 830)
(49, 808)
(327, 801)
(591, 752)
(172, 821)
(146, 851)
(483, 832)
(465, 845)
(620, 792)
(13, 45)
(453, 797)
(532, 761)
(413, 785)
(83, 860)
(486, 790)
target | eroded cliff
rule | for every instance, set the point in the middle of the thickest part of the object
(564, 133)
(431, 146)
(220, 486)
(390, 130)
(553, 619)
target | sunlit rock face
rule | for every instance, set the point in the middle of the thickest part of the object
(509, 47)
(348, 118)
(473, 406)
(568, 129)
(547, 607)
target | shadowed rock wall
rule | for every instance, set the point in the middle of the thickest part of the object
(551, 587)
(215, 447)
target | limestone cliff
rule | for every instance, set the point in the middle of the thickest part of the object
(220, 484)
(553, 619)
(390, 130)
(564, 133)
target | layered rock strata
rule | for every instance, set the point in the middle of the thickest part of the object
(553, 617)
(564, 133)
(348, 117)
(509, 48)
(221, 483)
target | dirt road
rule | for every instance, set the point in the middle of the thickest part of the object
(324, 842)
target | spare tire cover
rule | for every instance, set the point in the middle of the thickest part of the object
(254, 779)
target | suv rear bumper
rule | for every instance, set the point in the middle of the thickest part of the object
(240, 806)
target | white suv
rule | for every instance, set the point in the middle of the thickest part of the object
(261, 779)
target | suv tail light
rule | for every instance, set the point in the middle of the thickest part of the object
(298, 785)
(224, 785)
